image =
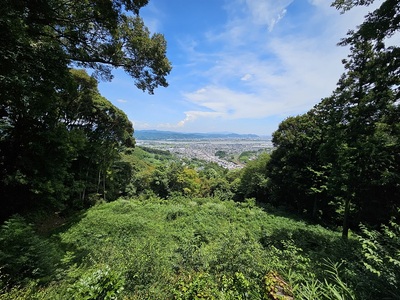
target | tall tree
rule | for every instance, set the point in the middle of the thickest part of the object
(40, 41)
(297, 175)
(361, 121)
(104, 131)
(346, 150)
(365, 117)
(362, 118)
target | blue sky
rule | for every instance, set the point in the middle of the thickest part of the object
(238, 66)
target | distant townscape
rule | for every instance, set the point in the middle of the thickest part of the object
(229, 150)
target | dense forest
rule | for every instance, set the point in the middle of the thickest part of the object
(87, 215)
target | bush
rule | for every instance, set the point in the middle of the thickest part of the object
(183, 248)
(381, 258)
(196, 286)
(101, 283)
(238, 287)
(23, 254)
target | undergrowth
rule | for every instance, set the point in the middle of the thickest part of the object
(181, 248)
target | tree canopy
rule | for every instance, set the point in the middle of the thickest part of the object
(58, 136)
(95, 34)
(350, 140)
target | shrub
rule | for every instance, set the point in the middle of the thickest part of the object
(238, 287)
(24, 255)
(381, 257)
(101, 283)
(196, 286)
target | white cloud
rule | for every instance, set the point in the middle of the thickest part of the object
(230, 104)
(267, 12)
(152, 16)
(189, 117)
(261, 63)
(141, 125)
(194, 115)
(249, 20)
(246, 77)
(284, 74)
(122, 100)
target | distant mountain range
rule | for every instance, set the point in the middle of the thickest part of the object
(170, 135)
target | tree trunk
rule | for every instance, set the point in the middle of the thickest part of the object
(315, 208)
(98, 182)
(345, 231)
(104, 186)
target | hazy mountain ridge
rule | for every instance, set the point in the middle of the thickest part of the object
(171, 135)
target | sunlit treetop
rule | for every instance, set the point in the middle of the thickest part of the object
(96, 34)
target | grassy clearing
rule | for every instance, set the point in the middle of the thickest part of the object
(200, 248)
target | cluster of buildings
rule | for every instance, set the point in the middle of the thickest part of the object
(206, 149)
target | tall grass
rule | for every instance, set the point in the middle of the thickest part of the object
(192, 248)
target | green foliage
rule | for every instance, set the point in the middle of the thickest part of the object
(221, 154)
(69, 158)
(381, 257)
(339, 162)
(205, 286)
(331, 288)
(185, 248)
(61, 144)
(105, 132)
(28, 291)
(253, 179)
(23, 254)
(99, 283)
(334, 287)
(166, 175)
(68, 29)
(156, 151)
(297, 176)
(247, 156)
(237, 286)
(196, 286)
(200, 245)
(59, 138)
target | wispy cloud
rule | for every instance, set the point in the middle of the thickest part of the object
(194, 115)
(230, 104)
(246, 77)
(256, 63)
(284, 73)
(267, 13)
(153, 16)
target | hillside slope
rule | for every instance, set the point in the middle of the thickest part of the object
(195, 248)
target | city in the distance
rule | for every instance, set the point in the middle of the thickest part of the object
(230, 150)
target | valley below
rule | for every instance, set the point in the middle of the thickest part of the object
(228, 153)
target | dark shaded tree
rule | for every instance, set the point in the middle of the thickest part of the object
(104, 131)
(296, 173)
(347, 150)
(94, 34)
(39, 107)
(253, 179)
(364, 115)
(362, 121)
